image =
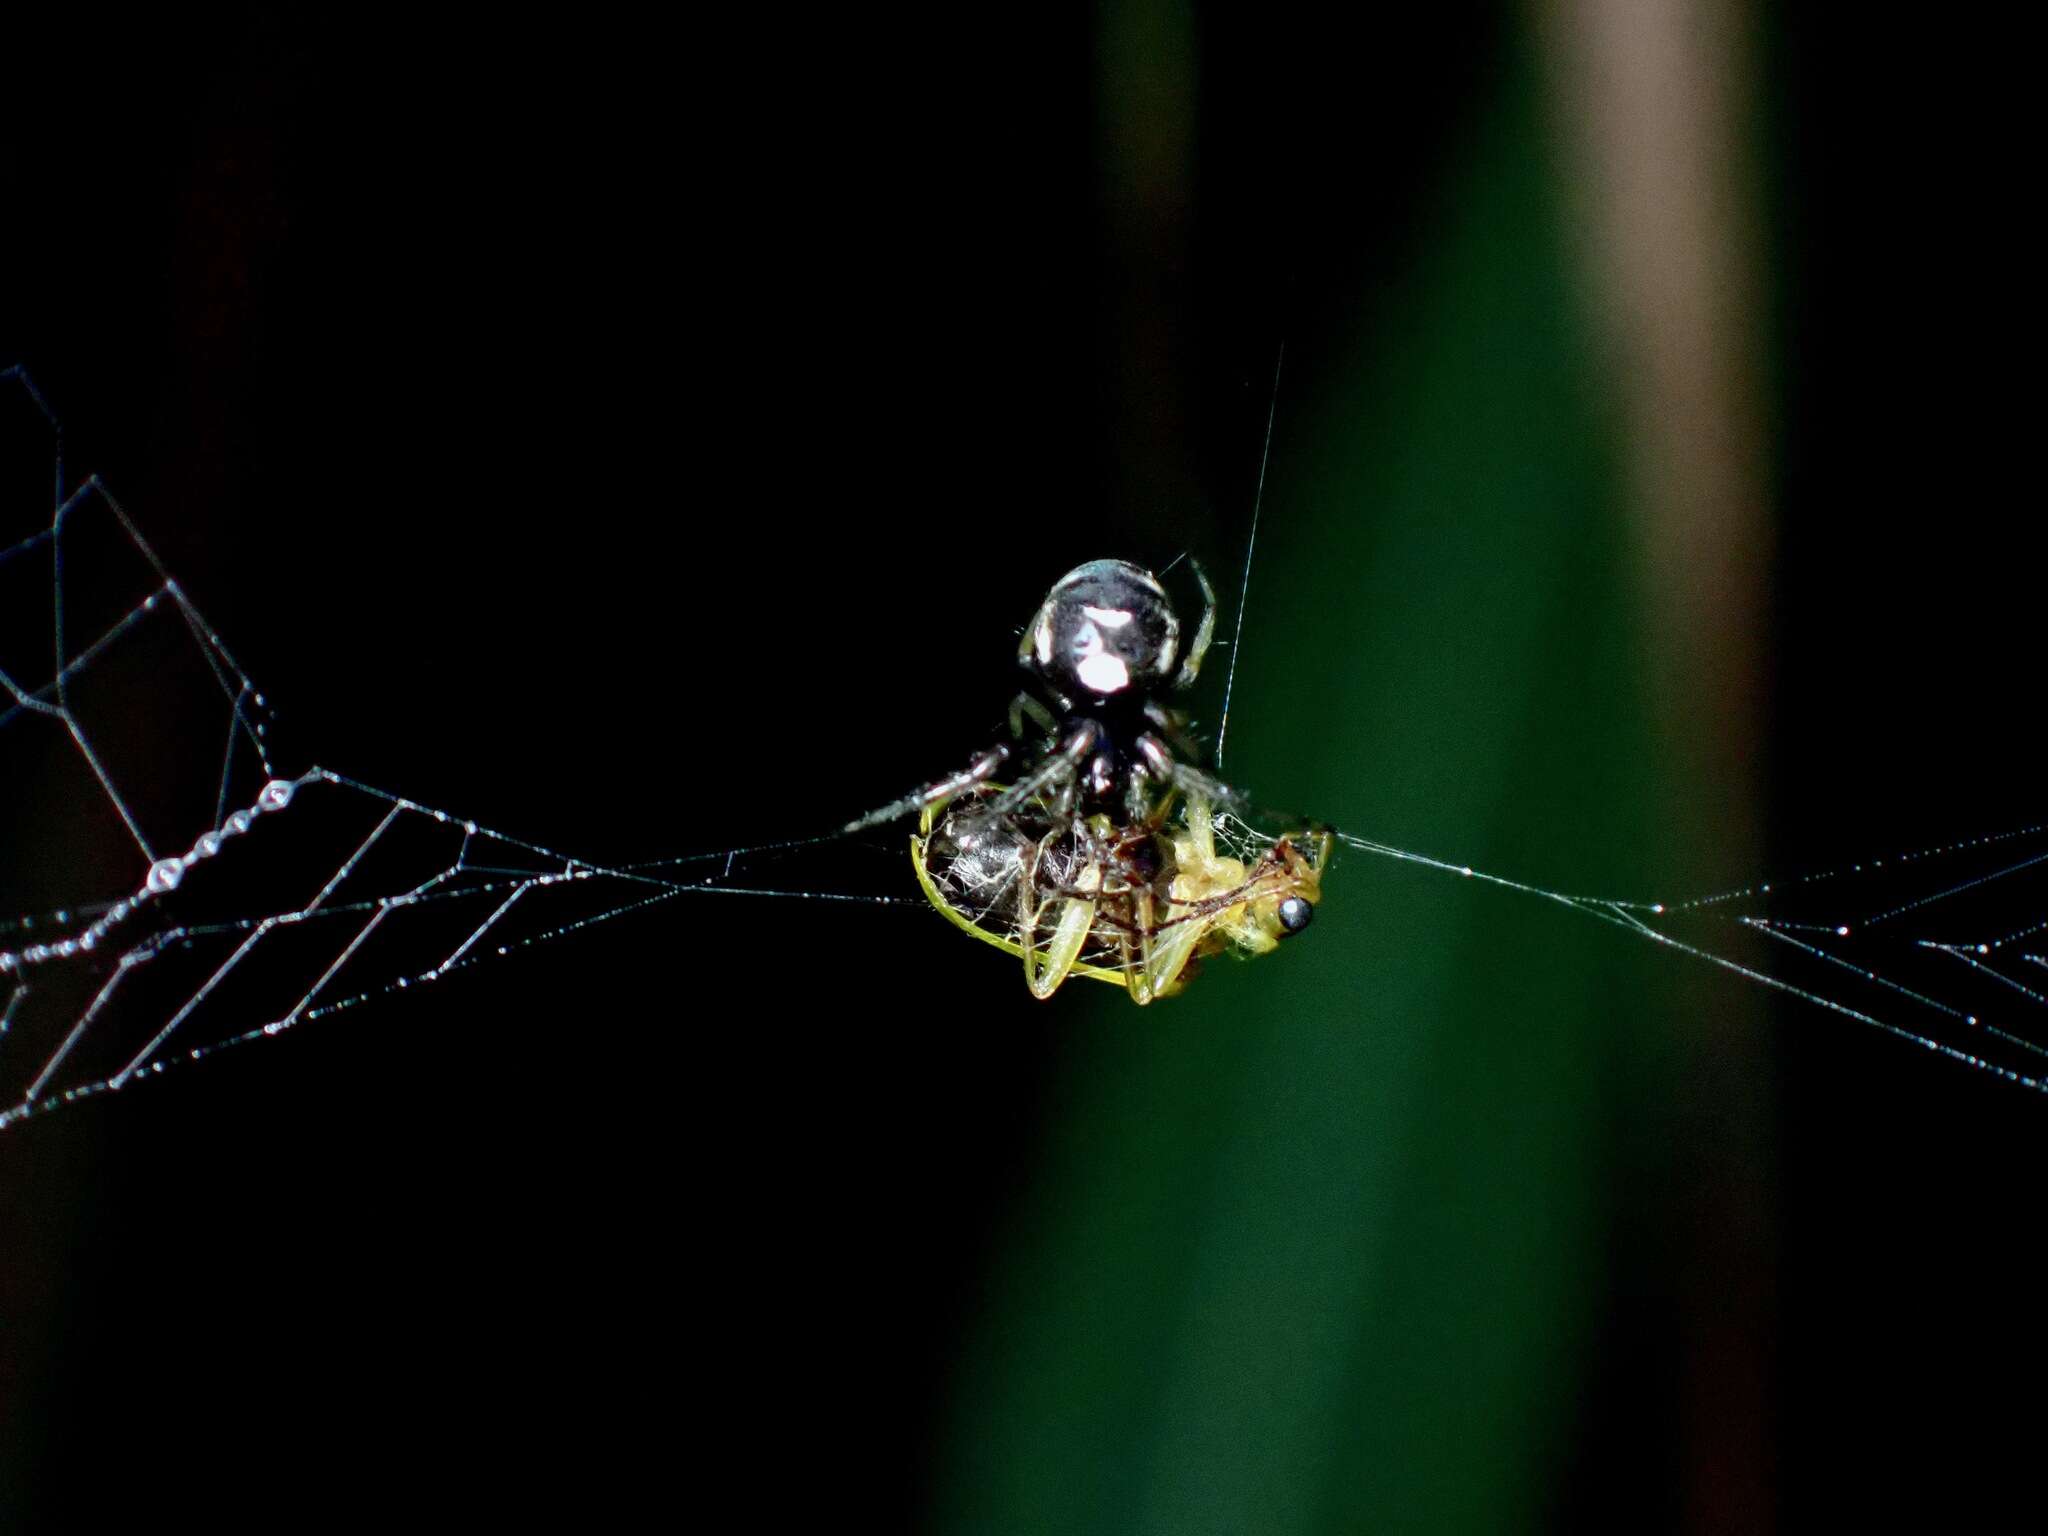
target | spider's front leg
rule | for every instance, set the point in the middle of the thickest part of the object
(1049, 775)
(1023, 707)
(979, 771)
(1052, 774)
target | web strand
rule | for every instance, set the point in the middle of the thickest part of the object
(300, 896)
(1737, 913)
(1251, 544)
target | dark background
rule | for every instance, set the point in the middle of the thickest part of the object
(646, 444)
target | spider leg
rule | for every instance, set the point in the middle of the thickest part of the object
(976, 772)
(1172, 725)
(1137, 803)
(1196, 784)
(1063, 800)
(1023, 707)
(1190, 781)
(1205, 632)
(1052, 773)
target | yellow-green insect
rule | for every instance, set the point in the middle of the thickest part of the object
(1136, 906)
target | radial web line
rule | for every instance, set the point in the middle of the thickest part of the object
(1902, 976)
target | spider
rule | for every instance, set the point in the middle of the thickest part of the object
(1079, 864)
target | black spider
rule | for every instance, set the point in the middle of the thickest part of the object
(1101, 647)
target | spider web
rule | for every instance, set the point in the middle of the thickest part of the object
(1923, 945)
(177, 889)
(169, 888)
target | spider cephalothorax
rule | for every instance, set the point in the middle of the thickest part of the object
(1100, 648)
(1086, 826)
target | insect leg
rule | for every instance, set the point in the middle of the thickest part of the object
(1137, 949)
(1048, 964)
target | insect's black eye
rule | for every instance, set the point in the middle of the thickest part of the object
(1295, 914)
(1142, 862)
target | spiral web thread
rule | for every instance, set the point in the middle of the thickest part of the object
(180, 892)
